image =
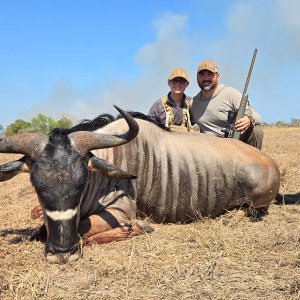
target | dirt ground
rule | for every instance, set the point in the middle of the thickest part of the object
(225, 258)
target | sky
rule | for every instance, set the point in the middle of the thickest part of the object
(78, 58)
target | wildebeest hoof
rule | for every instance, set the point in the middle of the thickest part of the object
(126, 226)
(138, 225)
(256, 214)
(146, 228)
(36, 212)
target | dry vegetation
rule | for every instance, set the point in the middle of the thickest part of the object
(226, 258)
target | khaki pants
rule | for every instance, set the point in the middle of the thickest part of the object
(253, 136)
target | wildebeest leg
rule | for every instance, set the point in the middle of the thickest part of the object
(260, 201)
(40, 234)
(108, 226)
(117, 234)
(252, 213)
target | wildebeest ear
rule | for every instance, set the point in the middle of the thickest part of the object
(13, 168)
(107, 169)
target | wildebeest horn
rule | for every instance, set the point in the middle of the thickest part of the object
(85, 141)
(30, 144)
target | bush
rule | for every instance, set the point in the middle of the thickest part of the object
(39, 124)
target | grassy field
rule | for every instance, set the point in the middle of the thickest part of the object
(225, 258)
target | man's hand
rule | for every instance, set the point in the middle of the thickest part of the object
(243, 124)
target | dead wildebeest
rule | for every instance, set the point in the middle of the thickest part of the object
(92, 184)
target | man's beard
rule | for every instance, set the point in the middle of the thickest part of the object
(207, 87)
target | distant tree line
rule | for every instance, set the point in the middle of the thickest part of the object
(293, 123)
(39, 124)
(43, 124)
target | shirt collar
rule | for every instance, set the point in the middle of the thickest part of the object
(170, 100)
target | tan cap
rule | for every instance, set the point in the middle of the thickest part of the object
(179, 72)
(208, 65)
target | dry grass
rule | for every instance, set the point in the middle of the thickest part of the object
(226, 258)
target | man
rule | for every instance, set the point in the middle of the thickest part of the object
(209, 109)
(173, 110)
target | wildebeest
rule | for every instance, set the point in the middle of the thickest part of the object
(93, 184)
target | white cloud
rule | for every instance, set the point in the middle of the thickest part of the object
(289, 11)
(270, 26)
(155, 59)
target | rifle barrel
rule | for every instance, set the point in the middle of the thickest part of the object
(250, 72)
(244, 100)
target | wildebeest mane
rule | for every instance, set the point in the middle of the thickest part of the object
(101, 121)
(139, 115)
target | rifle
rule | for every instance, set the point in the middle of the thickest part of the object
(234, 115)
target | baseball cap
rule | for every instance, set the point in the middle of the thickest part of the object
(208, 65)
(179, 72)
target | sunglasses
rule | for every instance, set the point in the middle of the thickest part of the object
(180, 81)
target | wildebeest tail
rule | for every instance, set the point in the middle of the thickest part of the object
(288, 198)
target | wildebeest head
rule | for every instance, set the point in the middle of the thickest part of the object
(58, 167)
